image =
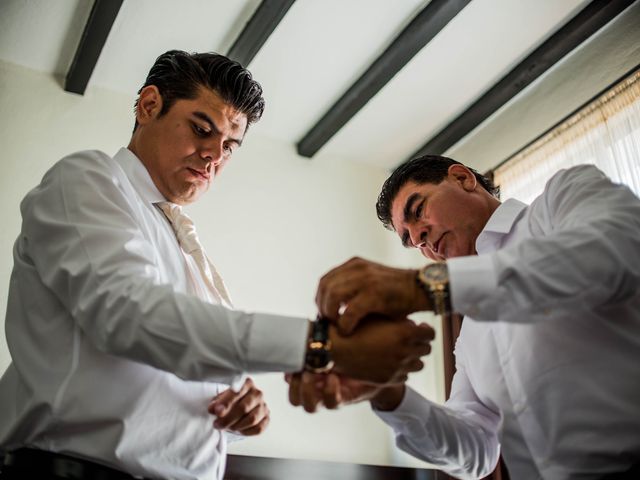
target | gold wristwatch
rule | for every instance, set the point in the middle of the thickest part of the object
(434, 279)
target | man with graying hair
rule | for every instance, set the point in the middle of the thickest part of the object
(123, 336)
(548, 358)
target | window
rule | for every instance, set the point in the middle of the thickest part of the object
(605, 133)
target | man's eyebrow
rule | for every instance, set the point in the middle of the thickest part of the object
(409, 206)
(206, 118)
(203, 116)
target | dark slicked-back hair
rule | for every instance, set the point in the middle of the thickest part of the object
(179, 75)
(425, 169)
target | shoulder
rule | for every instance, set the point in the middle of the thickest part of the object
(580, 175)
(85, 160)
(85, 172)
(573, 185)
(88, 166)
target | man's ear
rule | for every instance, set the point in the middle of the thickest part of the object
(149, 104)
(463, 176)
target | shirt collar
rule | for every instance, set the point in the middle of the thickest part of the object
(499, 225)
(138, 176)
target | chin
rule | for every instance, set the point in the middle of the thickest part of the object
(454, 254)
(188, 196)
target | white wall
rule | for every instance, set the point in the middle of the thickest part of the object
(273, 224)
(39, 125)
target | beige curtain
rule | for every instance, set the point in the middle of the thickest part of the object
(605, 133)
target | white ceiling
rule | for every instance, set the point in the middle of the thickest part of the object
(314, 55)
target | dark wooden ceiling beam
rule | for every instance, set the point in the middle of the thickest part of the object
(426, 25)
(258, 29)
(587, 22)
(103, 14)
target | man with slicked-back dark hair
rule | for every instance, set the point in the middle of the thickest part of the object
(123, 337)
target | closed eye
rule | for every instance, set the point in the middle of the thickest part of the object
(201, 132)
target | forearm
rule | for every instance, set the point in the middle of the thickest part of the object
(152, 324)
(463, 445)
(389, 398)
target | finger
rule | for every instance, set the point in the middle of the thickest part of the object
(257, 429)
(331, 394)
(309, 396)
(398, 378)
(222, 399)
(337, 287)
(325, 290)
(355, 310)
(415, 365)
(427, 331)
(294, 390)
(320, 293)
(250, 420)
(421, 334)
(422, 349)
(335, 296)
(223, 402)
(414, 351)
(331, 279)
(239, 409)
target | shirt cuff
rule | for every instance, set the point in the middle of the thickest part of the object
(413, 406)
(277, 343)
(472, 280)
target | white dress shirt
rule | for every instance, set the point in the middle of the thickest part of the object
(548, 368)
(113, 354)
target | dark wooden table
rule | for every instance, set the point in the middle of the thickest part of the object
(241, 467)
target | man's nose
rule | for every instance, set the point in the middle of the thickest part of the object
(213, 152)
(418, 237)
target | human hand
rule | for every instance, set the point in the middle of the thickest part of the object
(329, 389)
(382, 351)
(244, 412)
(363, 287)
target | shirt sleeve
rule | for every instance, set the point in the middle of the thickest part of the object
(582, 255)
(459, 438)
(80, 232)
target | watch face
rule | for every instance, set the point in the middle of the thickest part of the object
(436, 273)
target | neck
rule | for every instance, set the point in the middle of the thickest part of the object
(491, 205)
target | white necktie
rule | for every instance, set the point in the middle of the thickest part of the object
(188, 239)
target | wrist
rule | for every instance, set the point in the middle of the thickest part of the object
(421, 298)
(388, 398)
(433, 280)
(319, 356)
(337, 349)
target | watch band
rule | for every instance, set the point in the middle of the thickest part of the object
(318, 357)
(434, 280)
(439, 298)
